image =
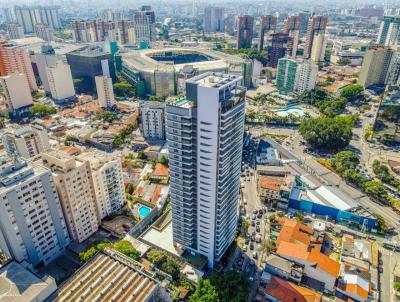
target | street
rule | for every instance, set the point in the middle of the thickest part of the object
(390, 265)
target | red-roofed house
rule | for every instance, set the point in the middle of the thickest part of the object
(284, 291)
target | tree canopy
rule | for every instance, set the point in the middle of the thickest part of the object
(351, 91)
(41, 110)
(124, 89)
(227, 287)
(326, 133)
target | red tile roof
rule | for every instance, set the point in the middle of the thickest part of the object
(289, 292)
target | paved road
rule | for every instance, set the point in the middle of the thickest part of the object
(391, 263)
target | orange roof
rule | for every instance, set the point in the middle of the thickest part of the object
(270, 183)
(356, 289)
(156, 194)
(138, 191)
(289, 292)
(295, 232)
(292, 250)
(160, 170)
(324, 263)
(71, 150)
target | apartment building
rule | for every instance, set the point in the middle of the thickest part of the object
(29, 16)
(245, 26)
(14, 59)
(74, 183)
(153, 120)
(296, 75)
(315, 28)
(44, 32)
(375, 66)
(389, 32)
(60, 81)
(213, 19)
(32, 225)
(267, 27)
(25, 141)
(15, 31)
(105, 92)
(16, 91)
(205, 140)
(107, 180)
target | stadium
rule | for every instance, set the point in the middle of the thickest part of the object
(164, 71)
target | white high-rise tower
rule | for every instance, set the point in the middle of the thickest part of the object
(205, 140)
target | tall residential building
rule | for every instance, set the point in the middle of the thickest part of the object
(389, 32)
(144, 27)
(25, 141)
(153, 120)
(29, 16)
(214, 19)
(105, 93)
(15, 31)
(122, 31)
(292, 28)
(205, 140)
(375, 66)
(296, 75)
(42, 60)
(74, 183)
(60, 81)
(316, 27)
(278, 48)
(14, 59)
(89, 64)
(318, 47)
(16, 91)
(393, 74)
(44, 32)
(304, 17)
(245, 26)
(107, 180)
(32, 225)
(267, 27)
(6, 15)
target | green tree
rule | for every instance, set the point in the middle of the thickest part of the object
(86, 255)
(2, 122)
(164, 160)
(156, 256)
(141, 155)
(124, 89)
(107, 116)
(156, 98)
(345, 160)
(343, 61)
(130, 188)
(350, 92)
(326, 133)
(40, 110)
(37, 95)
(380, 223)
(397, 286)
(171, 267)
(205, 292)
(126, 248)
(102, 245)
(391, 113)
(376, 190)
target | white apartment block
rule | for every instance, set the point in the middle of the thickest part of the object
(73, 180)
(32, 225)
(25, 141)
(153, 120)
(105, 92)
(205, 142)
(15, 31)
(318, 46)
(306, 76)
(60, 81)
(107, 180)
(16, 91)
(44, 32)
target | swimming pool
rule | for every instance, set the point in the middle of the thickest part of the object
(143, 211)
(293, 110)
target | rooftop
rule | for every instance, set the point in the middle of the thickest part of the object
(332, 197)
(214, 79)
(104, 278)
(288, 292)
(270, 183)
(17, 284)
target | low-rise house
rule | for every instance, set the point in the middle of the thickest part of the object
(279, 290)
(160, 173)
(267, 155)
(355, 284)
(283, 268)
(275, 190)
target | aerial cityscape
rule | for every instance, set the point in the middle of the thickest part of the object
(199, 151)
